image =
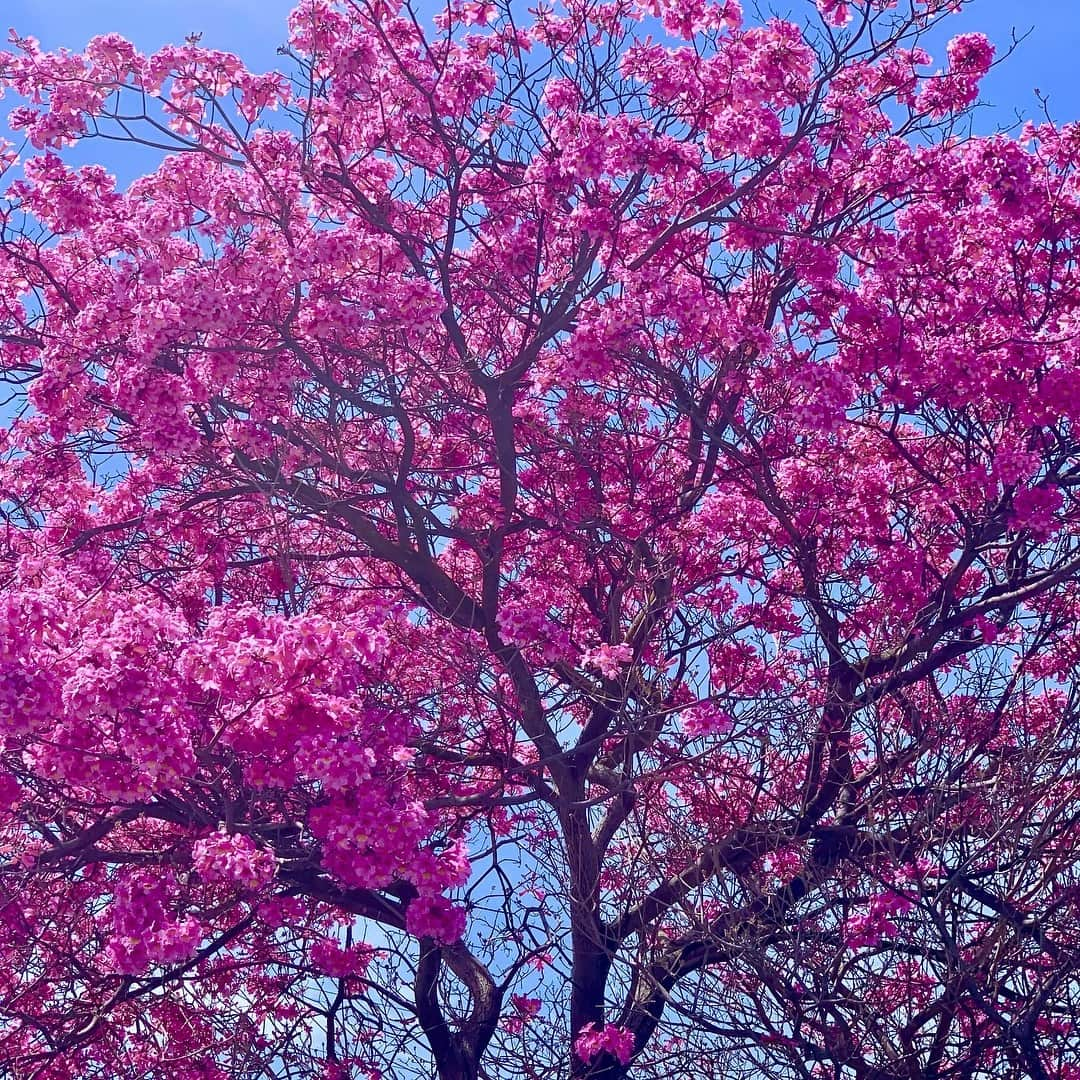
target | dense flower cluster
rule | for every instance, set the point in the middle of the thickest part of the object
(142, 930)
(232, 859)
(876, 922)
(435, 917)
(594, 1040)
(332, 958)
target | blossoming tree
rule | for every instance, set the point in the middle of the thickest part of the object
(539, 544)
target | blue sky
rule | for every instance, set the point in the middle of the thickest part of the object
(1047, 59)
(254, 29)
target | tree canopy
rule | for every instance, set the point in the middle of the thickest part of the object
(539, 544)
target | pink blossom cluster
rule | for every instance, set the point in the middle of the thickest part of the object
(143, 931)
(27, 698)
(233, 859)
(340, 961)
(526, 1009)
(608, 659)
(970, 53)
(437, 918)
(520, 625)
(593, 1040)
(530, 627)
(705, 718)
(371, 836)
(867, 928)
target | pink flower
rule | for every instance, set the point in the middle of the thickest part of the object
(971, 54)
(705, 718)
(435, 917)
(835, 12)
(233, 859)
(1035, 509)
(608, 658)
(334, 959)
(11, 792)
(525, 1006)
(525, 1009)
(592, 1042)
(477, 13)
(143, 930)
(867, 928)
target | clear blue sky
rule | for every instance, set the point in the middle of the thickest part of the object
(1048, 59)
(251, 28)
